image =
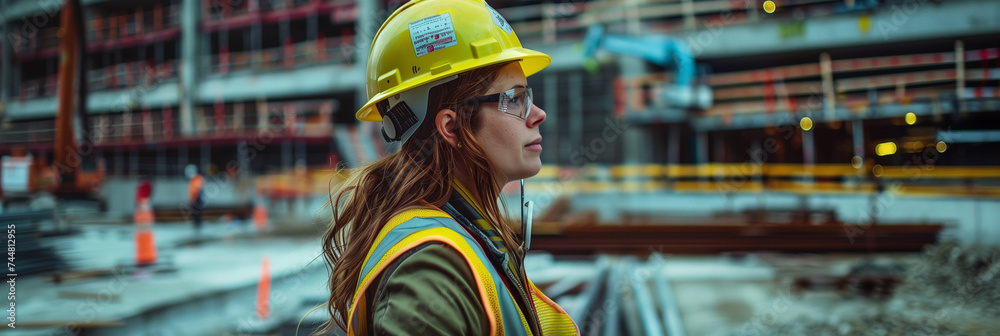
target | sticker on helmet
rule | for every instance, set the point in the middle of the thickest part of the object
(432, 33)
(499, 20)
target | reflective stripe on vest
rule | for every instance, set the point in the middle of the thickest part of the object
(415, 227)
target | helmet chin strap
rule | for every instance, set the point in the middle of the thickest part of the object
(527, 209)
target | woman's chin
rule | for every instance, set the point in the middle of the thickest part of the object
(527, 172)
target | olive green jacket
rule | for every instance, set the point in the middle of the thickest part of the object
(430, 290)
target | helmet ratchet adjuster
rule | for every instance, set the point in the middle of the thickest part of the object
(397, 120)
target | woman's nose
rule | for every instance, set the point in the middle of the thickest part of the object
(536, 117)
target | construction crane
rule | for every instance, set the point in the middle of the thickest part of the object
(75, 173)
(664, 51)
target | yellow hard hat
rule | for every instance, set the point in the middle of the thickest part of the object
(429, 42)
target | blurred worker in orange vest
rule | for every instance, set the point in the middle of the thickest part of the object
(196, 194)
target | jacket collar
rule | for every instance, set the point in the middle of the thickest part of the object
(464, 209)
(466, 205)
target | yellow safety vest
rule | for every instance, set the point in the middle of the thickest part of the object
(415, 227)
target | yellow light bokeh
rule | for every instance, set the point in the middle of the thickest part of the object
(911, 118)
(885, 148)
(877, 170)
(856, 162)
(941, 146)
(769, 6)
(864, 24)
(806, 124)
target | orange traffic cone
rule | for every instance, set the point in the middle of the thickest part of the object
(143, 214)
(145, 244)
(145, 247)
(264, 290)
(259, 217)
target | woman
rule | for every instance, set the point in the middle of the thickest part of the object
(418, 243)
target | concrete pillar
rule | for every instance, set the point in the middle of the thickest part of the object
(674, 144)
(638, 146)
(255, 44)
(5, 54)
(161, 161)
(119, 163)
(286, 155)
(182, 159)
(133, 160)
(371, 15)
(300, 152)
(206, 158)
(809, 160)
(370, 18)
(224, 43)
(858, 135)
(701, 147)
(637, 141)
(808, 147)
(312, 28)
(550, 103)
(243, 159)
(718, 150)
(576, 112)
(190, 36)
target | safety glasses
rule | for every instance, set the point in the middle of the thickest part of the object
(515, 102)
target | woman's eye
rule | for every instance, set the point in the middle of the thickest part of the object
(517, 99)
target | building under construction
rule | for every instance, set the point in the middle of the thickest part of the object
(713, 167)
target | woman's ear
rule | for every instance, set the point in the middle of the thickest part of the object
(446, 121)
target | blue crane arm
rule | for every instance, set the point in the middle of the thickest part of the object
(661, 50)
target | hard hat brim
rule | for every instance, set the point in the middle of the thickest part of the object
(531, 62)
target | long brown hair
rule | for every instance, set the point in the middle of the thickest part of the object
(422, 170)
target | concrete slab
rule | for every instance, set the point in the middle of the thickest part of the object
(215, 282)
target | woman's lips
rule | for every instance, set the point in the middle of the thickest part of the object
(534, 145)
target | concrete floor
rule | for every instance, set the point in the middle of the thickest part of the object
(203, 289)
(746, 295)
(211, 288)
